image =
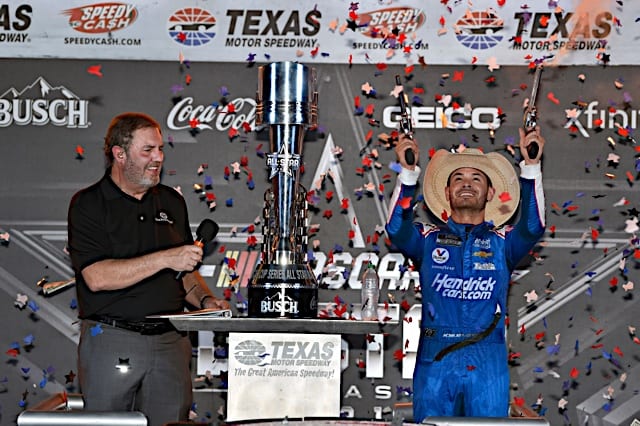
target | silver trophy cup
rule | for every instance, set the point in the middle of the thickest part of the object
(283, 285)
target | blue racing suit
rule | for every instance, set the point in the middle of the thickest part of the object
(464, 278)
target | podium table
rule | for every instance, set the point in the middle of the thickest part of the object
(296, 360)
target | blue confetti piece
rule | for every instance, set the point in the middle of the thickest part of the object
(22, 403)
(543, 411)
(608, 406)
(395, 166)
(251, 184)
(359, 111)
(43, 383)
(589, 292)
(606, 355)
(544, 322)
(538, 370)
(509, 140)
(580, 194)
(15, 345)
(208, 180)
(224, 91)
(33, 306)
(96, 329)
(553, 349)
(73, 304)
(338, 248)
(567, 204)
(229, 202)
(28, 340)
(25, 370)
(432, 310)
(346, 274)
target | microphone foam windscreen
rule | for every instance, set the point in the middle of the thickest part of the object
(207, 230)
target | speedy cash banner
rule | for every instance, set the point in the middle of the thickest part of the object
(498, 32)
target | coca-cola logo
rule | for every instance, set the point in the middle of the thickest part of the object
(186, 115)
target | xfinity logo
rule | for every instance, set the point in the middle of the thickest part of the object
(40, 104)
(601, 119)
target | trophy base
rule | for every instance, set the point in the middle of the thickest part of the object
(283, 291)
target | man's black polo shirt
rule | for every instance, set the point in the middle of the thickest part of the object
(106, 223)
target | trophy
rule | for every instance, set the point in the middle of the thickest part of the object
(283, 284)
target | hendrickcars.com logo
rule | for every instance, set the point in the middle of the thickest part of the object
(403, 19)
(101, 17)
(192, 26)
(479, 29)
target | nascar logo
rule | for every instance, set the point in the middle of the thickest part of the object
(192, 26)
(478, 30)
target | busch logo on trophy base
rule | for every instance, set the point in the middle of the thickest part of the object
(283, 285)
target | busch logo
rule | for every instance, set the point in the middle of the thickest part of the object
(40, 104)
(184, 113)
(469, 289)
(279, 302)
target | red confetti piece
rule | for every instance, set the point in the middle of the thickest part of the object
(398, 355)
(539, 336)
(95, 70)
(594, 234)
(504, 197)
(597, 346)
(553, 98)
(368, 137)
(544, 21)
(79, 150)
(369, 110)
(405, 203)
(471, 367)
(356, 101)
(187, 79)
(618, 351)
(405, 306)
(613, 282)
(381, 66)
(574, 373)
(233, 132)
(327, 214)
(519, 401)
(193, 123)
(231, 108)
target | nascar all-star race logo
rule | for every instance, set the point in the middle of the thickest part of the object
(192, 26)
(479, 29)
(101, 17)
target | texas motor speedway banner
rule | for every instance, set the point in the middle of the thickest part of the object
(382, 31)
(283, 375)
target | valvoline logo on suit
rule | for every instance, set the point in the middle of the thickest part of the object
(440, 255)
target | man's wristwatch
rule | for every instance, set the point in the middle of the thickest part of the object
(203, 298)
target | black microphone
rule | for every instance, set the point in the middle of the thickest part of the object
(206, 232)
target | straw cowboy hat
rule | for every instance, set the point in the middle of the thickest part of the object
(499, 170)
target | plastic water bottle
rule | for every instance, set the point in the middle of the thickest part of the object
(370, 294)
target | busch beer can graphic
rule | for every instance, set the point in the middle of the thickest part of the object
(283, 285)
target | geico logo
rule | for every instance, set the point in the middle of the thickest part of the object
(429, 117)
